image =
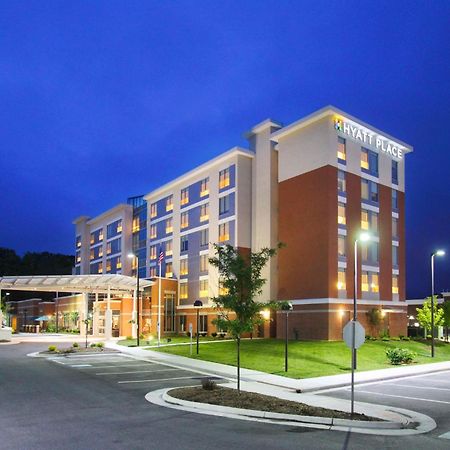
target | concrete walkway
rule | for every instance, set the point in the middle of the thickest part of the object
(304, 385)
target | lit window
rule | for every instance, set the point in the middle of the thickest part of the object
(224, 232)
(78, 257)
(152, 231)
(153, 210)
(204, 213)
(118, 263)
(203, 263)
(369, 161)
(169, 248)
(100, 251)
(395, 284)
(364, 219)
(341, 214)
(169, 270)
(135, 224)
(204, 187)
(374, 283)
(91, 255)
(370, 282)
(183, 291)
(108, 265)
(224, 178)
(169, 203)
(341, 283)
(78, 242)
(341, 181)
(184, 196)
(184, 220)
(341, 245)
(222, 290)
(169, 225)
(203, 289)
(364, 159)
(341, 150)
(100, 267)
(134, 263)
(100, 234)
(184, 266)
(92, 238)
(153, 252)
(365, 281)
(119, 228)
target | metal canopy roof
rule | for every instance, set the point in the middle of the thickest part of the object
(117, 284)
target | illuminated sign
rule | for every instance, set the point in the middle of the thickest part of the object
(367, 137)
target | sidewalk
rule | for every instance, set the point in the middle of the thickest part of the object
(305, 385)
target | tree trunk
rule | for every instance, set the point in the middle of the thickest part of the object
(238, 342)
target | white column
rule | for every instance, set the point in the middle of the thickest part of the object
(134, 316)
(108, 316)
(95, 317)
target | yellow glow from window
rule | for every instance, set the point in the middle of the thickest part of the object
(183, 291)
(184, 267)
(169, 252)
(204, 193)
(119, 228)
(119, 264)
(341, 151)
(204, 218)
(224, 183)
(364, 161)
(374, 287)
(184, 200)
(169, 229)
(224, 237)
(153, 231)
(169, 207)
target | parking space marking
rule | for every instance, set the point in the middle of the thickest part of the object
(156, 379)
(445, 435)
(135, 371)
(402, 396)
(81, 365)
(421, 387)
(122, 365)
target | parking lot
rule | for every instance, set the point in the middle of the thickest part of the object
(128, 373)
(428, 394)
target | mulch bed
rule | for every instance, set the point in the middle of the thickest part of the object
(249, 400)
(73, 350)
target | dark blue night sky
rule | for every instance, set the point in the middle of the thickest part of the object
(103, 100)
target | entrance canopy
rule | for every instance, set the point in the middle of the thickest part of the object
(98, 284)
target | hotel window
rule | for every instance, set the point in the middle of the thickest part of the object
(134, 263)
(153, 231)
(153, 252)
(152, 272)
(184, 266)
(395, 256)
(169, 248)
(203, 319)
(341, 283)
(365, 281)
(341, 150)
(224, 178)
(341, 245)
(224, 232)
(369, 190)
(203, 289)
(204, 238)
(204, 212)
(183, 291)
(394, 172)
(184, 196)
(78, 242)
(77, 257)
(394, 199)
(204, 187)
(374, 284)
(395, 284)
(224, 204)
(91, 254)
(394, 227)
(222, 289)
(169, 312)
(118, 263)
(153, 210)
(183, 322)
(108, 265)
(369, 220)
(169, 203)
(169, 270)
(369, 161)
(113, 229)
(341, 214)
(169, 225)
(100, 267)
(203, 263)
(341, 181)
(184, 220)
(135, 226)
(96, 236)
(113, 246)
(369, 252)
(184, 245)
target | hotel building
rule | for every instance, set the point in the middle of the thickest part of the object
(313, 185)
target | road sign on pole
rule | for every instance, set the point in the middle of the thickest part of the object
(360, 334)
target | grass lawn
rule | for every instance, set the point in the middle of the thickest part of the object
(164, 341)
(309, 358)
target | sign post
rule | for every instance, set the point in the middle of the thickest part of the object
(190, 334)
(354, 336)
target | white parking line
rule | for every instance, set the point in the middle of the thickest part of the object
(157, 379)
(445, 435)
(421, 387)
(123, 365)
(136, 371)
(80, 365)
(403, 396)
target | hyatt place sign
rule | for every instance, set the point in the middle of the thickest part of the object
(366, 137)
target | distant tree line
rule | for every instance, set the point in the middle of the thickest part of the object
(33, 263)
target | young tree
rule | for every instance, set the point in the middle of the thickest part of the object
(241, 282)
(424, 315)
(446, 318)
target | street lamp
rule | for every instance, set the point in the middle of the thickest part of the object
(436, 253)
(131, 256)
(287, 307)
(198, 304)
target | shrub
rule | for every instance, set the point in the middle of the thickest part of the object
(208, 384)
(399, 356)
(401, 336)
(188, 333)
(385, 338)
(405, 338)
(214, 334)
(52, 348)
(100, 344)
(75, 345)
(93, 345)
(129, 338)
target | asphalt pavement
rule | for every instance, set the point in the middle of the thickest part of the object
(97, 402)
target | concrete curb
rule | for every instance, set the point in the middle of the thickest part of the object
(162, 398)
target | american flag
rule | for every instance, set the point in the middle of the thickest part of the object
(161, 256)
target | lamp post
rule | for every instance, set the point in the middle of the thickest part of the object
(436, 253)
(131, 256)
(7, 309)
(198, 304)
(287, 307)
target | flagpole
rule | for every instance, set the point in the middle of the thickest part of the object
(159, 305)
